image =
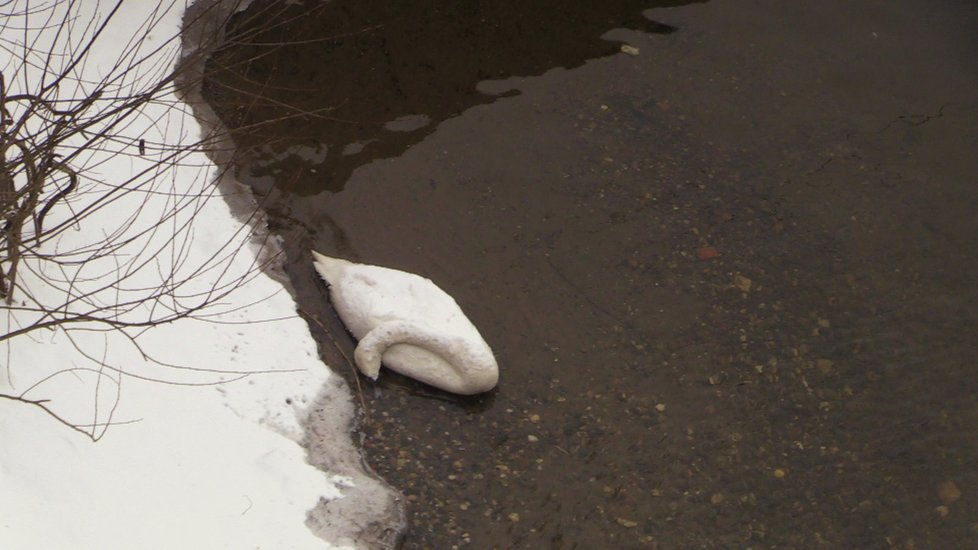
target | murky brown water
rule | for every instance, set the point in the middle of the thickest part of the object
(730, 281)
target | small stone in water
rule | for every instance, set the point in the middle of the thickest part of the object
(948, 492)
(706, 252)
(626, 522)
(630, 50)
(743, 283)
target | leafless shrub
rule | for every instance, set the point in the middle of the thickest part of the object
(102, 188)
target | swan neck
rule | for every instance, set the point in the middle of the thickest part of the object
(472, 368)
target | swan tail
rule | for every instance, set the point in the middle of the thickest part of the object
(328, 268)
(470, 369)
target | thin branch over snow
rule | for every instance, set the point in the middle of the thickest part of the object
(103, 187)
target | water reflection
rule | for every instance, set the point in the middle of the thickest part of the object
(376, 77)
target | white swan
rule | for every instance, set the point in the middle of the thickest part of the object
(410, 324)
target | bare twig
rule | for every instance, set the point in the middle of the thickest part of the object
(98, 235)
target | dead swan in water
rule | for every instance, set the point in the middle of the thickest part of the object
(414, 326)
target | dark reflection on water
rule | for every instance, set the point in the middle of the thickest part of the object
(377, 77)
(730, 284)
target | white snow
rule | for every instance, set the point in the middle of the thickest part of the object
(193, 425)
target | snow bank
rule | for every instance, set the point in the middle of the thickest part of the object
(193, 426)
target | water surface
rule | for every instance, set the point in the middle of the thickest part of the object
(730, 280)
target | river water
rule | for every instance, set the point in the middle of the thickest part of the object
(729, 274)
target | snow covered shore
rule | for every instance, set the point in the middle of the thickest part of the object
(195, 426)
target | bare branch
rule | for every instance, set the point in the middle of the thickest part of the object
(104, 183)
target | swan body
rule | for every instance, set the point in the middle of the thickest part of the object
(409, 324)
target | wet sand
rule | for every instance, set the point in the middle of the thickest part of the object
(730, 281)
